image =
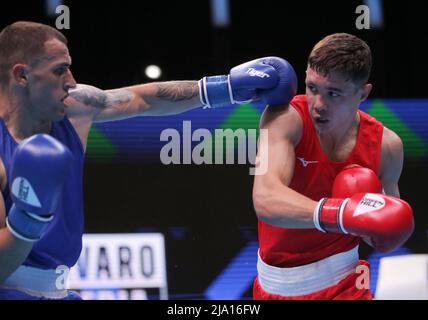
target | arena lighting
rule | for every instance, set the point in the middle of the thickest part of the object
(51, 5)
(376, 13)
(220, 16)
(153, 71)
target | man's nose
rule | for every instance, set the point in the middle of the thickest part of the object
(70, 82)
(320, 105)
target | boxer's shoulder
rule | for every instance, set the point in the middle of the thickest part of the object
(392, 155)
(284, 121)
(392, 145)
(391, 141)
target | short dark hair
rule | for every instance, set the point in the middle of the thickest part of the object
(21, 41)
(343, 53)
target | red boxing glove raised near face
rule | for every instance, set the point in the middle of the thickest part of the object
(387, 221)
(355, 179)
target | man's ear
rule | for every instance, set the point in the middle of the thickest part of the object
(19, 74)
(365, 91)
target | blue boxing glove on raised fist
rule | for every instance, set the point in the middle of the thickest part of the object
(271, 80)
(39, 169)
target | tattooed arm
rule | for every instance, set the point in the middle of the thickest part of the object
(151, 99)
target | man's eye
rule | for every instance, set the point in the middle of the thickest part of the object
(334, 94)
(312, 88)
(60, 71)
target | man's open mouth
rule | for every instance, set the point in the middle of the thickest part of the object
(321, 120)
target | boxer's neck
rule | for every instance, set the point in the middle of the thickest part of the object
(18, 118)
(338, 144)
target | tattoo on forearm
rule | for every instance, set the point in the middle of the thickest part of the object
(118, 97)
(89, 95)
(177, 90)
(97, 98)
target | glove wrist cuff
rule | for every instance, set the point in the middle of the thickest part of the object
(26, 226)
(215, 91)
(328, 215)
(317, 215)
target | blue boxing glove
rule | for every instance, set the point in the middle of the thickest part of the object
(271, 80)
(39, 169)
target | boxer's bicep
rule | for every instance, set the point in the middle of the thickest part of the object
(283, 130)
(85, 101)
(119, 104)
(90, 102)
(273, 200)
(101, 105)
(391, 166)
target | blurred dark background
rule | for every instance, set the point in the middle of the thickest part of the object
(205, 212)
(112, 41)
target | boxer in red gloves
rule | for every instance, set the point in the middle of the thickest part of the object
(385, 222)
(313, 208)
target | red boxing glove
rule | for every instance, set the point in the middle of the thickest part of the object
(355, 179)
(386, 222)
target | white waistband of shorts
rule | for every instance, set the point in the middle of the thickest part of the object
(309, 278)
(37, 282)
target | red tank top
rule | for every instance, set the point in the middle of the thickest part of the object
(313, 177)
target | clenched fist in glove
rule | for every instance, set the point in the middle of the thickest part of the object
(271, 80)
(387, 222)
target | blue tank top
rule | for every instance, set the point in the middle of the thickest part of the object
(62, 242)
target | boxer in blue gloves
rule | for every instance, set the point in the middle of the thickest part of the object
(45, 118)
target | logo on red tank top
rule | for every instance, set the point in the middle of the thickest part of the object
(306, 162)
